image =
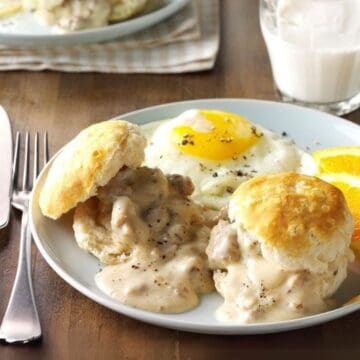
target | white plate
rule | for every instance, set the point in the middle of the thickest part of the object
(23, 29)
(310, 128)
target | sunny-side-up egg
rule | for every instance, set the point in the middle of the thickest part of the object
(219, 150)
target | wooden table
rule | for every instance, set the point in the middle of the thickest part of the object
(75, 327)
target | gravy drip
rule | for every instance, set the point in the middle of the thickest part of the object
(256, 289)
(159, 263)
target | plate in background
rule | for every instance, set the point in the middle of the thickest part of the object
(310, 129)
(23, 29)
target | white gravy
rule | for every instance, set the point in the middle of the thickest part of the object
(256, 289)
(169, 286)
(165, 268)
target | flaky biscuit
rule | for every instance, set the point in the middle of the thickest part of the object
(93, 233)
(124, 9)
(353, 300)
(89, 161)
(301, 221)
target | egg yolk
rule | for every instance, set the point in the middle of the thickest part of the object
(228, 136)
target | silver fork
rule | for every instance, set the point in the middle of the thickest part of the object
(21, 320)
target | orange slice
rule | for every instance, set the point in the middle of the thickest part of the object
(350, 187)
(342, 159)
(340, 166)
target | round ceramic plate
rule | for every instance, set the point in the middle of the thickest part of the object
(310, 130)
(23, 29)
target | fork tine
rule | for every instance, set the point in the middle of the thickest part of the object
(15, 165)
(25, 184)
(46, 148)
(36, 157)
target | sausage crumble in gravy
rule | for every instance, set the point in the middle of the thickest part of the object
(153, 238)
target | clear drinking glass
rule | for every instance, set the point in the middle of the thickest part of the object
(314, 50)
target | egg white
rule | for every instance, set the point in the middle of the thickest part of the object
(215, 180)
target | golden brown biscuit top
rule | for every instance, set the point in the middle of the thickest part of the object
(289, 211)
(353, 300)
(90, 161)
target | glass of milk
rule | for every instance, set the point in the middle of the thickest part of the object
(314, 49)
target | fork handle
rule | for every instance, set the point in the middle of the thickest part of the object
(21, 320)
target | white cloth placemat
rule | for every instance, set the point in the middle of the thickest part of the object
(188, 41)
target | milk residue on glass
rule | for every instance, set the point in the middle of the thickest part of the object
(314, 48)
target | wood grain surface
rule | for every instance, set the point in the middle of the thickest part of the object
(75, 327)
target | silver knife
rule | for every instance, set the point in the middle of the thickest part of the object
(6, 149)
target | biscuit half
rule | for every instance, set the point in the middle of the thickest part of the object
(300, 221)
(90, 160)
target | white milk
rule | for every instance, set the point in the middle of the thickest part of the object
(314, 48)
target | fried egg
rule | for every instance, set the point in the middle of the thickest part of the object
(218, 151)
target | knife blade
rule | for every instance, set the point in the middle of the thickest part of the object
(6, 149)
